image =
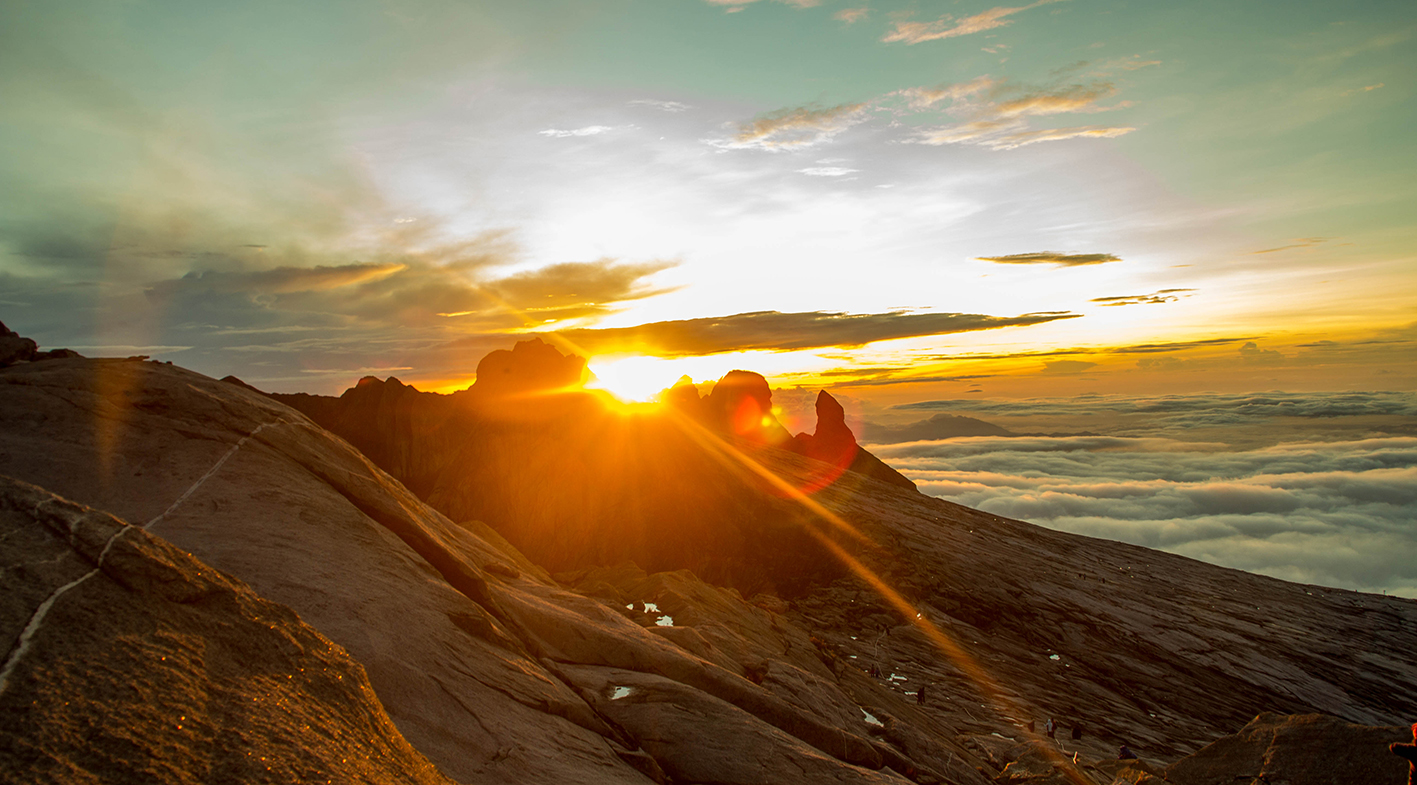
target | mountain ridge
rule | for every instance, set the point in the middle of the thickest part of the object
(496, 671)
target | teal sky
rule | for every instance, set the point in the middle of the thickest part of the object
(301, 193)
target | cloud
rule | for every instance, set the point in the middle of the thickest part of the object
(1067, 366)
(851, 15)
(1336, 513)
(734, 6)
(1300, 242)
(590, 130)
(1023, 138)
(996, 113)
(1052, 257)
(774, 331)
(577, 289)
(1370, 88)
(667, 106)
(1155, 298)
(828, 171)
(948, 27)
(279, 280)
(800, 127)
(1184, 412)
(927, 97)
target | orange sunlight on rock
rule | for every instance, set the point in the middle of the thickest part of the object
(635, 379)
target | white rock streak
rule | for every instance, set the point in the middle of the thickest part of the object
(215, 467)
(37, 620)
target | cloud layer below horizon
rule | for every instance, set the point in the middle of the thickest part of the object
(1334, 509)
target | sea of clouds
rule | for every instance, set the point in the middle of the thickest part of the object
(1334, 504)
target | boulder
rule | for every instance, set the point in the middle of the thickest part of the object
(1305, 749)
(699, 738)
(15, 348)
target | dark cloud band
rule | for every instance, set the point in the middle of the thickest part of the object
(1053, 257)
(775, 331)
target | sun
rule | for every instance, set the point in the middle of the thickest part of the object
(634, 379)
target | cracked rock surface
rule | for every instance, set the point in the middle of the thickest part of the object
(259, 544)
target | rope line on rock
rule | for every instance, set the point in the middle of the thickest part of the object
(22, 644)
(215, 467)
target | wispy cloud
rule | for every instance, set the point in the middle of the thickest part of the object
(1155, 298)
(1015, 140)
(828, 171)
(1370, 88)
(949, 27)
(733, 6)
(590, 130)
(1053, 257)
(578, 289)
(795, 128)
(666, 106)
(996, 113)
(775, 331)
(926, 97)
(1299, 242)
(851, 15)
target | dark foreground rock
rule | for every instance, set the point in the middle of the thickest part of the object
(466, 643)
(1310, 749)
(495, 672)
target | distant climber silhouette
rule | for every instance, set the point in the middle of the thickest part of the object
(1408, 752)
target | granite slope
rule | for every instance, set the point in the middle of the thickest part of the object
(464, 640)
(496, 671)
(132, 661)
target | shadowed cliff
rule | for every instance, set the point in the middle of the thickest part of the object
(573, 479)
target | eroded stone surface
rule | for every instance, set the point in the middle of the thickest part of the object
(131, 661)
(1299, 750)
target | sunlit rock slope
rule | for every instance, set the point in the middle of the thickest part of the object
(795, 669)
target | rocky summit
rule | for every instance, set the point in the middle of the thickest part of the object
(204, 583)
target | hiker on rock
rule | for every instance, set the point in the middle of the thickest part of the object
(1050, 728)
(1125, 753)
(1408, 752)
(920, 695)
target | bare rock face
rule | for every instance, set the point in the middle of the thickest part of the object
(495, 672)
(14, 348)
(573, 483)
(467, 644)
(834, 444)
(1310, 749)
(131, 661)
(531, 366)
(740, 405)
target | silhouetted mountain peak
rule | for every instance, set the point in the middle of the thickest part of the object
(741, 405)
(530, 366)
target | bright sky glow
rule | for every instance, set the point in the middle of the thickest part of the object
(304, 195)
